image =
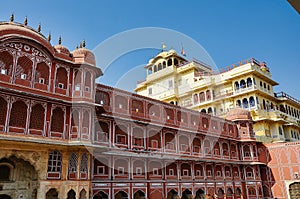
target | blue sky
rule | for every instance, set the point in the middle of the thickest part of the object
(229, 31)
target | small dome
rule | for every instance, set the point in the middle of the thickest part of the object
(172, 51)
(83, 55)
(238, 114)
(61, 49)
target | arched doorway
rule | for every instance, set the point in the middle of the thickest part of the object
(100, 195)
(139, 195)
(14, 172)
(294, 190)
(121, 195)
(187, 194)
(71, 194)
(172, 194)
(200, 194)
(220, 193)
(3, 196)
(82, 194)
(52, 194)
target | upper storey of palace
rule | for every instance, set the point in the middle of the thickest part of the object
(192, 75)
(194, 84)
(29, 63)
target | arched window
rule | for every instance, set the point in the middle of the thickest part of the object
(220, 193)
(24, 68)
(101, 131)
(187, 194)
(169, 62)
(82, 194)
(159, 67)
(52, 194)
(137, 106)
(216, 149)
(54, 165)
(100, 195)
(196, 145)
(83, 166)
(207, 147)
(196, 100)
(280, 130)
(101, 167)
(74, 124)
(201, 97)
(85, 125)
(71, 194)
(6, 63)
(138, 167)
(245, 103)
(208, 96)
(170, 141)
(239, 103)
(229, 192)
(198, 170)
(242, 84)
(164, 64)
(3, 112)
(154, 139)
(155, 68)
(251, 191)
(121, 167)
(209, 110)
(249, 82)
(73, 165)
(247, 152)
(208, 170)
(227, 171)
(121, 134)
(251, 101)
(42, 73)
(121, 195)
(37, 117)
(149, 71)
(88, 82)
(203, 111)
(57, 120)
(77, 80)
(264, 105)
(236, 85)
(61, 78)
(184, 143)
(225, 149)
(18, 114)
(175, 62)
(138, 136)
(139, 194)
(121, 102)
(4, 172)
(238, 191)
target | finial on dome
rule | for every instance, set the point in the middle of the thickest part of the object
(12, 17)
(83, 43)
(25, 21)
(80, 45)
(76, 46)
(49, 37)
(39, 27)
(59, 40)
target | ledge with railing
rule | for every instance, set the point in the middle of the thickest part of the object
(281, 95)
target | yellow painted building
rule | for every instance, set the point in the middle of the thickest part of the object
(248, 84)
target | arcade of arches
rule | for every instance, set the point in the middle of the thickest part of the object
(172, 194)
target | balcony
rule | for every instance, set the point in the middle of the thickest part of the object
(244, 90)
